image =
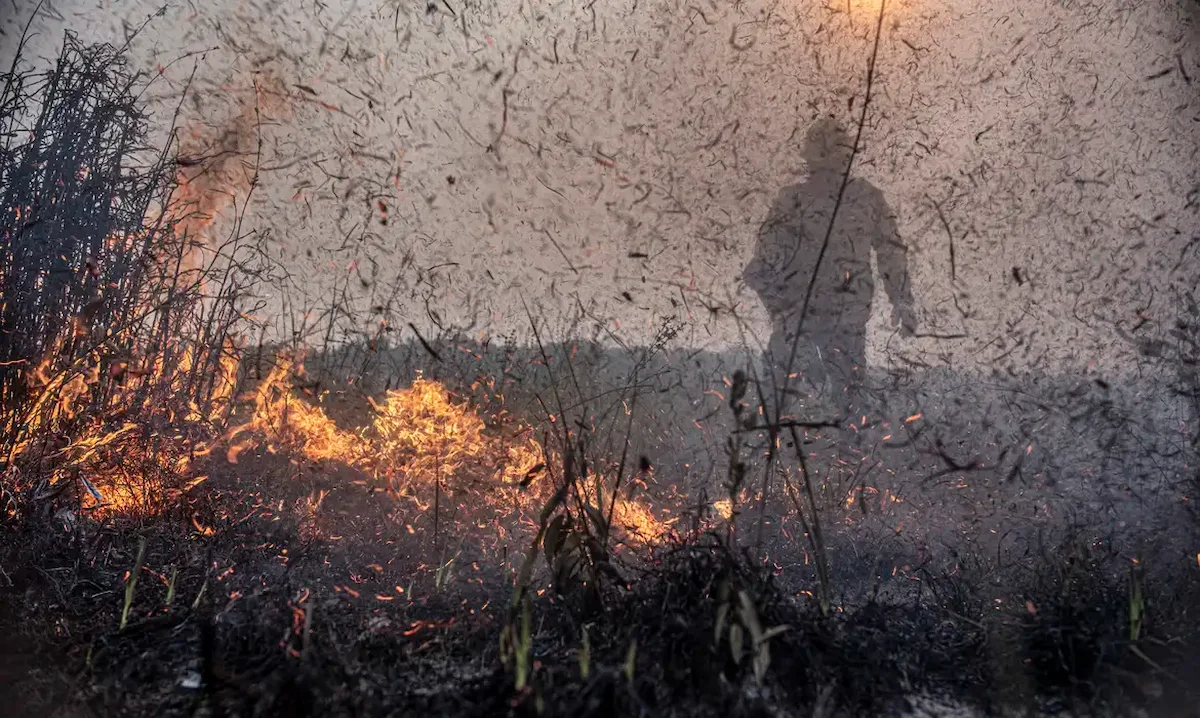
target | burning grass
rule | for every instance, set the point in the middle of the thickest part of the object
(121, 351)
(685, 637)
(699, 628)
(418, 439)
(113, 430)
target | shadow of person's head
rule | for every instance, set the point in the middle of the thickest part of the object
(827, 147)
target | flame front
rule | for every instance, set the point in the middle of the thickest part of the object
(418, 437)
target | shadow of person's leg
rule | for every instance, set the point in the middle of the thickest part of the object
(848, 367)
(801, 392)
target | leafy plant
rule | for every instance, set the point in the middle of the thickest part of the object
(516, 646)
(737, 620)
(171, 587)
(516, 637)
(577, 551)
(631, 660)
(131, 583)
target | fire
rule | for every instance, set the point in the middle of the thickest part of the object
(418, 437)
(113, 450)
(294, 422)
(424, 429)
(638, 521)
(419, 434)
(116, 409)
(146, 434)
(116, 423)
(119, 429)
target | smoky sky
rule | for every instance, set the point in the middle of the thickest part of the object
(1037, 159)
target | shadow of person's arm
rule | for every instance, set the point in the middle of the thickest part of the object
(892, 257)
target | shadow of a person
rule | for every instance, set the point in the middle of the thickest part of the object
(831, 351)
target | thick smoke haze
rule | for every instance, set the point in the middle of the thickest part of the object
(1039, 158)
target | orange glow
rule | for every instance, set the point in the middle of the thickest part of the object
(295, 423)
(418, 434)
(132, 430)
(216, 168)
(117, 425)
(115, 452)
(637, 521)
(417, 437)
(867, 10)
(425, 430)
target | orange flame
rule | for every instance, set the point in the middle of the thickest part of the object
(112, 458)
(417, 436)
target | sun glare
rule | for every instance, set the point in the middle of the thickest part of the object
(862, 10)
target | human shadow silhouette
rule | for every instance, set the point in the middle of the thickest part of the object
(791, 252)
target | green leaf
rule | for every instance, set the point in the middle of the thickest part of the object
(1137, 604)
(719, 629)
(585, 655)
(199, 595)
(524, 646)
(523, 576)
(171, 586)
(131, 583)
(749, 617)
(442, 577)
(506, 646)
(736, 640)
(762, 661)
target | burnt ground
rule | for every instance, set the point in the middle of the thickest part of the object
(285, 606)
